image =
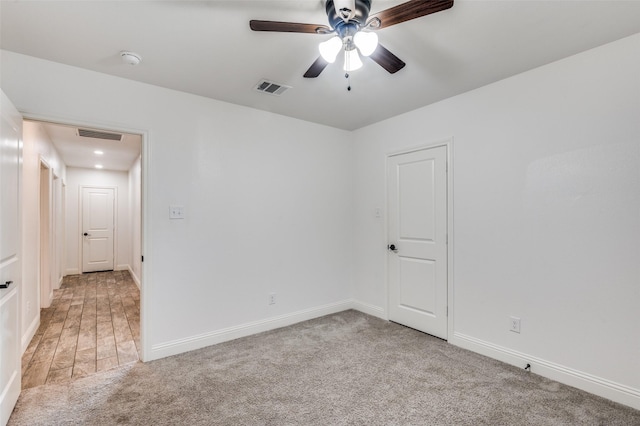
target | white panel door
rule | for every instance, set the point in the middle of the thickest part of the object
(417, 240)
(10, 260)
(97, 229)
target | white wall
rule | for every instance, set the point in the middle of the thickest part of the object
(76, 179)
(268, 203)
(36, 146)
(546, 171)
(135, 219)
(546, 210)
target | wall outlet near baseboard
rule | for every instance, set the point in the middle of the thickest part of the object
(176, 211)
(272, 299)
(514, 324)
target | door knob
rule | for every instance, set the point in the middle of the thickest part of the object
(6, 284)
(392, 247)
(86, 235)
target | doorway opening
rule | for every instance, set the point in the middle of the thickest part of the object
(90, 317)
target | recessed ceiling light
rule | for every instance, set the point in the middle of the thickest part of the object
(98, 166)
(98, 152)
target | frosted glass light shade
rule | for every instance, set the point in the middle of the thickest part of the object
(329, 49)
(366, 42)
(352, 60)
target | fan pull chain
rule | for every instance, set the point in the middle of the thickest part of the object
(347, 65)
(348, 77)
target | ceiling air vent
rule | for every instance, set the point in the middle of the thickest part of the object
(96, 134)
(271, 88)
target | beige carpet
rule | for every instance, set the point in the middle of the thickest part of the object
(343, 369)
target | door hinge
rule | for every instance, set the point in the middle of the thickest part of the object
(142, 258)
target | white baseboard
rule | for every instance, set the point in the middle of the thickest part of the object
(135, 277)
(587, 382)
(366, 308)
(57, 284)
(123, 267)
(218, 336)
(31, 331)
(72, 271)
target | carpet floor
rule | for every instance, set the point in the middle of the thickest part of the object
(343, 369)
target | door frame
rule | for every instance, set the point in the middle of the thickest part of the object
(44, 298)
(81, 223)
(448, 143)
(62, 243)
(56, 217)
(146, 281)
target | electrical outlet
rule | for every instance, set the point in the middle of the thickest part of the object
(272, 299)
(176, 211)
(515, 324)
(28, 306)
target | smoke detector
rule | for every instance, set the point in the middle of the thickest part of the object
(130, 58)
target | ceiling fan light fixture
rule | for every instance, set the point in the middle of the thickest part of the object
(329, 49)
(346, 19)
(352, 60)
(367, 42)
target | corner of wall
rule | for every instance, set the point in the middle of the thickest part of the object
(231, 333)
(369, 309)
(136, 279)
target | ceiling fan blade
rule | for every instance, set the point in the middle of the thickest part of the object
(410, 10)
(316, 68)
(387, 60)
(289, 27)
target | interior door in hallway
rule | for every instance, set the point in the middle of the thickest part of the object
(97, 229)
(417, 239)
(10, 258)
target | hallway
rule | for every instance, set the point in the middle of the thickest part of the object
(93, 325)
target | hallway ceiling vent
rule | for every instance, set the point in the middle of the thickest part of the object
(96, 134)
(271, 88)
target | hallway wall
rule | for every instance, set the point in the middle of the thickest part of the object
(36, 146)
(135, 211)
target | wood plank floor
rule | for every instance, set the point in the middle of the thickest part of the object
(93, 324)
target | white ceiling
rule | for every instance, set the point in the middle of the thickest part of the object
(79, 151)
(207, 48)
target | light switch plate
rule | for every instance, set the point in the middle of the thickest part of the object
(176, 211)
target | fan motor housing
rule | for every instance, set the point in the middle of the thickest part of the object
(363, 7)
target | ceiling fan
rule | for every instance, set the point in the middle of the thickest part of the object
(350, 21)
